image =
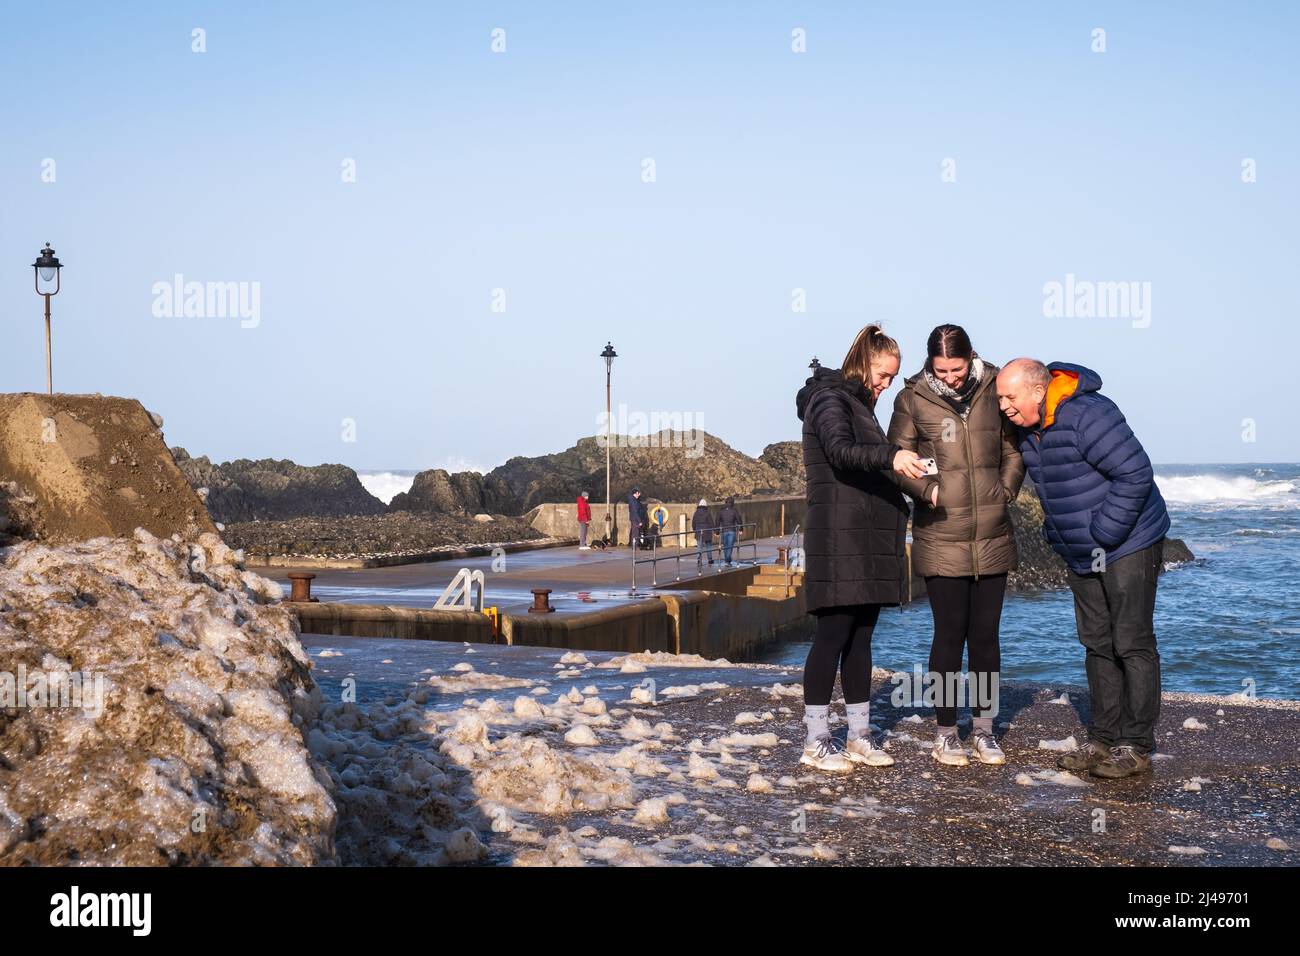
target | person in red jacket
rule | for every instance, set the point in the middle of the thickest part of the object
(584, 519)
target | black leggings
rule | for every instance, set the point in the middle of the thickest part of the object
(843, 643)
(966, 612)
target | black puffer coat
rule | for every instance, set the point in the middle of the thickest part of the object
(856, 526)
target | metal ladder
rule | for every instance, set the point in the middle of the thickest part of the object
(459, 591)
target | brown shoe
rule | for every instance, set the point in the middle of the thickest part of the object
(1086, 757)
(1124, 761)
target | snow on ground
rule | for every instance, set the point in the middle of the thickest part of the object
(195, 753)
(1061, 777)
(664, 659)
(556, 776)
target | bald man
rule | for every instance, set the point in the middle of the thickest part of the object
(1103, 514)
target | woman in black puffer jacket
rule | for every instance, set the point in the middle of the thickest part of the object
(854, 540)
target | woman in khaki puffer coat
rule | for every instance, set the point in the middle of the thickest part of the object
(962, 541)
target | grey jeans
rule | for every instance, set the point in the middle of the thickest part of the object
(582, 534)
(1114, 611)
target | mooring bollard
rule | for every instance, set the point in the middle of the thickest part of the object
(301, 590)
(780, 556)
(541, 601)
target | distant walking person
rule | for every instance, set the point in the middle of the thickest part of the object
(961, 533)
(702, 525)
(637, 517)
(1103, 514)
(729, 521)
(856, 529)
(584, 519)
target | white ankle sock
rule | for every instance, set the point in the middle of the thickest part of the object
(817, 721)
(859, 719)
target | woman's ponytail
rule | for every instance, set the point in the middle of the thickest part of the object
(870, 344)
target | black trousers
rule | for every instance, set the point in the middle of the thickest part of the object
(1114, 611)
(967, 614)
(843, 643)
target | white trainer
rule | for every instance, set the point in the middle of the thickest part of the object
(826, 753)
(984, 748)
(864, 750)
(948, 750)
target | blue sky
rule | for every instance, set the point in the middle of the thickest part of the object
(522, 171)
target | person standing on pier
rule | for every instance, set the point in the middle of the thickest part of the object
(729, 521)
(702, 525)
(584, 520)
(1105, 516)
(854, 543)
(637, 517)
(961, 532)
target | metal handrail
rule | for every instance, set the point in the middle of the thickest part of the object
(789, 544)
(654, 558)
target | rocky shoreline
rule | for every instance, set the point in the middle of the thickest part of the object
(401, 533)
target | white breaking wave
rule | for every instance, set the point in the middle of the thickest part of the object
(1212, 489)
(385, 485)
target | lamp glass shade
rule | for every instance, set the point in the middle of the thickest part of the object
(47, 273)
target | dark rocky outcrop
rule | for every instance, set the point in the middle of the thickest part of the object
(464, 492)
(786, 459)
(670, 466)
(401, 532)
(270, 490)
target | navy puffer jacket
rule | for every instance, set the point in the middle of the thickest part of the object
(1092, 475)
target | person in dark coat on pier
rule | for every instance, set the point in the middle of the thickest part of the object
(730, 522)
(854, 542)
(1104, 514)
(702, 524)
(637, 517)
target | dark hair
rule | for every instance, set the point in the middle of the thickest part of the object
(949, 341)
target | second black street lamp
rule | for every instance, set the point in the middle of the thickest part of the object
(608, 355)
(48, 273)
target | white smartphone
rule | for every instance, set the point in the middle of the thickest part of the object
(931, 466)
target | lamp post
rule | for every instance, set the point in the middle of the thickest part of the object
(814, 365)
(608, 355)
(47, 268)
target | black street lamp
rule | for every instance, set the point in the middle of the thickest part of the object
(48, 273)
(608, 355)
(814, 364)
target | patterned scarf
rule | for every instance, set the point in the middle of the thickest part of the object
(958, 398)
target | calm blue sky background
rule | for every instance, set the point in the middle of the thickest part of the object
(522, 171)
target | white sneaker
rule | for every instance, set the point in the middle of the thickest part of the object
(584, 547)
(948, 750)
(984, 747)
(826, 753)
(864, 750)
